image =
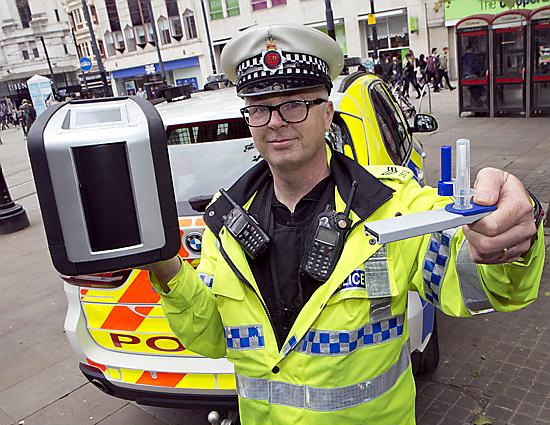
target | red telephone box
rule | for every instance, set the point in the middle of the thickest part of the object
(539, 75)
(509, 33)
(473, 65)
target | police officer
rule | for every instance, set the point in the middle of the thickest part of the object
(311, 349)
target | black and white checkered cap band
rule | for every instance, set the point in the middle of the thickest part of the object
(294, 64)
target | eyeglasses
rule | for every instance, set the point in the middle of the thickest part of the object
(293, 111)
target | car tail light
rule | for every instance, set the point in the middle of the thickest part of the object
(99, 280)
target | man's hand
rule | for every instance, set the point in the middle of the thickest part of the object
(505, 234)
(164, 271)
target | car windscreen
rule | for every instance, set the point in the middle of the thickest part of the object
(205, 157)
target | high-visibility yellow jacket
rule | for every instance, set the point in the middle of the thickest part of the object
(346, 358)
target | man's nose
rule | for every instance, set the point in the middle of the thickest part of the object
(276, 120)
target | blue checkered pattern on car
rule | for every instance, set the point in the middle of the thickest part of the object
(335, 343)
(244, 337)
(207, 279)
(435, 264)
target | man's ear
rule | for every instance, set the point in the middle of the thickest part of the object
(329, 114)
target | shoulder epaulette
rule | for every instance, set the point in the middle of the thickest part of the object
(393, 172)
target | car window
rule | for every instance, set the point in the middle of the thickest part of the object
(339, 136)
(214, 131)
(392, 127)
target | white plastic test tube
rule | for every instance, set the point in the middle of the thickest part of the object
(462, 191)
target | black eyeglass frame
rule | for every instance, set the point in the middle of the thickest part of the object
(277, 108)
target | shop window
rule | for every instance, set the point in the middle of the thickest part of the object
(112, 14)
(130, 38)
(25, 54)
(216, 11)
(164, 30)
(108, 37)
(190, 26)
(93, 13)
(24, 12)
(392, 32)
(232, 7)
(259, 4)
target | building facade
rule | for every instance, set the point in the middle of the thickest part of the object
(126, 33)
(30, 30)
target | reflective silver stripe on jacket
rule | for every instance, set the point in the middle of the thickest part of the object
(435, 264)
(474, 297)
(323, 399)
(336, 343)
(376, 274)
(380, 309)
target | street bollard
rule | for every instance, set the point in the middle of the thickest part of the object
(12, 216)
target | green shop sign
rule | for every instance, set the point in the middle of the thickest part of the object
(458, 9)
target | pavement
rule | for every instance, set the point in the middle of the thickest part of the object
(494, 369)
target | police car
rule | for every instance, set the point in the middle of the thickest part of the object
(115, 323)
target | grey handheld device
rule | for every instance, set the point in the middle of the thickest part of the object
(102, 176)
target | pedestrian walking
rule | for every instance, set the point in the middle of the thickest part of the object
(421, 65)
(329, 347)
(409, 76)
(443, 69)
(432, 66)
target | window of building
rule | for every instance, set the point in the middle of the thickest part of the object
(190, 26)
(101, 48)
(164, 30)
(79, 51)
(141, 20)
(56, 15)
(259, 4)
(232, 7)
(25, 54)
(174, 19)
(112, 14)
(278, 2)
(65, 49)
(77, 16)
(130, 38)
(119, 41)
(86, 48)
(35, 52)
(93, 13)
(216, 11)
(71, 19)
(110, 42)
(24, 14)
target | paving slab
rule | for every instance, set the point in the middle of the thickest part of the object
(82, 406)
(131, 414)
(39, 390)
(5, 419)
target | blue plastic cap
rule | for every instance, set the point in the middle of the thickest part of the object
(445, 185)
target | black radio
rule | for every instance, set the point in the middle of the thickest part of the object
(245, 229)
(328, 241)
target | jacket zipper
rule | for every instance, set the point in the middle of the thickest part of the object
(246, 282)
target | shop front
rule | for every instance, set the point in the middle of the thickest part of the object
(392, 29)
(177, 72)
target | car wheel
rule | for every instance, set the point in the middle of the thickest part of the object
(427, 360)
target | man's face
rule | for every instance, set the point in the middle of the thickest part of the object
(291, 145)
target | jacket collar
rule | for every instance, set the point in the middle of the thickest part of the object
(370, 194)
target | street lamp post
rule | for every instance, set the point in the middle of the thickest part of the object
(95, 49)
(12, 216)
(156, 41)
(330, 20)
(49, 65)
(374, 34)
(212, 59)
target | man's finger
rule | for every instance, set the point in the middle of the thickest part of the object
(487, 185)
